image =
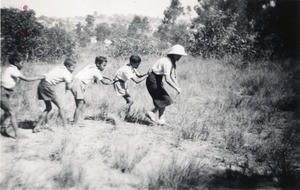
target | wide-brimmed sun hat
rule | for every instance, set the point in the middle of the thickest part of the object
(177, 49)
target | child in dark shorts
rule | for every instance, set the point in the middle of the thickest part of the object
(10, 78)
(47, 93)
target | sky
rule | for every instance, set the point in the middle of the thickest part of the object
(71, 8)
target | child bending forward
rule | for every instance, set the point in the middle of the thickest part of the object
(47, 93)
(87, 75)
(125, 73)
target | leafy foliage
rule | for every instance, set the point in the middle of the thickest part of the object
(19, 31)
(102, 31)
(138, 26)
(252, 28)
(144, 46)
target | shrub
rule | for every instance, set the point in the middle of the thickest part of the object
(144, 45)
(177, 175)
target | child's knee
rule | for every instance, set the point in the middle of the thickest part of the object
(9, 113)
(48, 108)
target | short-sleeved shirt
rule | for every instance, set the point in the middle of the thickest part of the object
(58, 74)
(125, 73)
(10, 77)
(163, 66)
(88, 74)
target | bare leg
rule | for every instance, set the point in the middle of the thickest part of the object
(155, 109)
(152, 114)
(9, 113)
(161, 112)
(43, 116)
(4, 117)
(79, 110)
(161, 119)
(129, 103)
(14, 123)
(61, 112)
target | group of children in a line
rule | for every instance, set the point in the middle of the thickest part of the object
(78, 82)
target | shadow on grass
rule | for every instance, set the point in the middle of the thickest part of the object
(237, 180)
(134, 119)
(111, 120)
(108, 120)
(27, 124)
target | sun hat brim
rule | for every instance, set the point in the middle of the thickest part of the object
(177, 49)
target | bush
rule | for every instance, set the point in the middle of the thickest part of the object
(177, 175)
(21, 32)
(124, 47)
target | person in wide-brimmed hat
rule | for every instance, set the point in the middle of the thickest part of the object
(163, 67)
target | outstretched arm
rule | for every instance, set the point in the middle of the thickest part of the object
(139, 78)
(29, 79)
(107, 81)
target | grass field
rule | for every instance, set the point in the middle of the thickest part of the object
(233, 126)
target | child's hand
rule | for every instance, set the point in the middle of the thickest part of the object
(149, 72)
(178, 90)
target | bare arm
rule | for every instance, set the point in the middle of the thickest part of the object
(29, 79)
(170, 81)
(174, 77)
(68, 86)
(138, 79)
(106, 81)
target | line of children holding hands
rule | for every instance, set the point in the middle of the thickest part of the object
(78, 82)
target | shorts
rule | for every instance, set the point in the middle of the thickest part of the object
(46, 91)
(78, 89)
(5, 102)
(121, 88)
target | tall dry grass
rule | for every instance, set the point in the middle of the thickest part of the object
(246, 110)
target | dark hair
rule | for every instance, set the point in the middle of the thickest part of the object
(15, 57)
(100, 60)
(69, 62)
(171, 56)
(135, 59)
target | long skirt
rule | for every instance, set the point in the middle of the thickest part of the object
(155, 88)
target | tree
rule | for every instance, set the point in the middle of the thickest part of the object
(262, 28)
(103, 31)
(138, 26)
(19, 31)
(90, 19)
(168, 23)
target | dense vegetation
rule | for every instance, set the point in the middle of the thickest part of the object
(263, 28)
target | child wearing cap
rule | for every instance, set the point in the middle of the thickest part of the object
(47, 93)
(10, 77)
(89, 74)
(164, 67)
(125, 73)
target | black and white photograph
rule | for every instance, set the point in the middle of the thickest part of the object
(150, 94)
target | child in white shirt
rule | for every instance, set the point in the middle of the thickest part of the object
(126, 73)
(47, 93)
(10, 78)
(87, 75)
